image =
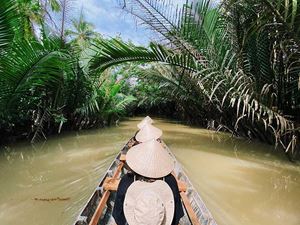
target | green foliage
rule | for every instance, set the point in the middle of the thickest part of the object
(238, 63)
(232, 66)
(105, 102)
(81, 33)
(7, 18)
(46, 86)
(54, 4)
(36, 67)
(114, 52)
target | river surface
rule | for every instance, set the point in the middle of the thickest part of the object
(242, 183)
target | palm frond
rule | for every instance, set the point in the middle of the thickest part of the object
(38, 66)
(8, 24)
(114, 52)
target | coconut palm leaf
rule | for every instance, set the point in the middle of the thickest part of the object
(114, 52)
(82, 31)
(178, 24)
(30, 67)
(8, 23)
(235, 71)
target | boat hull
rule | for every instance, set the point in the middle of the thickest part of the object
(203, 215)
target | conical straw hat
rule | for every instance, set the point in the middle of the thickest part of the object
(150, 159)
(149, 203)
(146, 120)
(147, 133)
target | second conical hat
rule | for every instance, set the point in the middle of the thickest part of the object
(146, 120)
(147, 133)
(150, 159)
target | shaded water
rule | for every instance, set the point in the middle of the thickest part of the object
(241, 183)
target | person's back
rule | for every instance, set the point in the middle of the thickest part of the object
(148, 195)
(130, 178)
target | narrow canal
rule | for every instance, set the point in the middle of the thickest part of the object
(241, 182)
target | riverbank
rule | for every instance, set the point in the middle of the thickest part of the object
(24, 136)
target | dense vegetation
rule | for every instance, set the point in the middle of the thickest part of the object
(231, 66)
(46, 83)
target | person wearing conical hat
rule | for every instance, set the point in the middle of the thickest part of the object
(147, 133)
(146, 120)
(149, 195)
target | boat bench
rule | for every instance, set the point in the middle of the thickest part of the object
(111, 184)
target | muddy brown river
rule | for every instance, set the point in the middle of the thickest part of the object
(241, 182)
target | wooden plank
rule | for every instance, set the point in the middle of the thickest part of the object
(123, 157)
(192, 215)
(111, 184)
(181, 186)
(118, 170)
(100, 208)
(104, 198)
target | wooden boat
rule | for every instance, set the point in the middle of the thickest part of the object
(98, 209)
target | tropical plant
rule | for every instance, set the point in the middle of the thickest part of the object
(46, 86)
(232, 66)
(104, 103)
(225, 50)
(82, 32)
(34, 14)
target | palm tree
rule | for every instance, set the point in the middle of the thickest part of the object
(44, 86)
(35, 13)
(82, 31)
(226, 50)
